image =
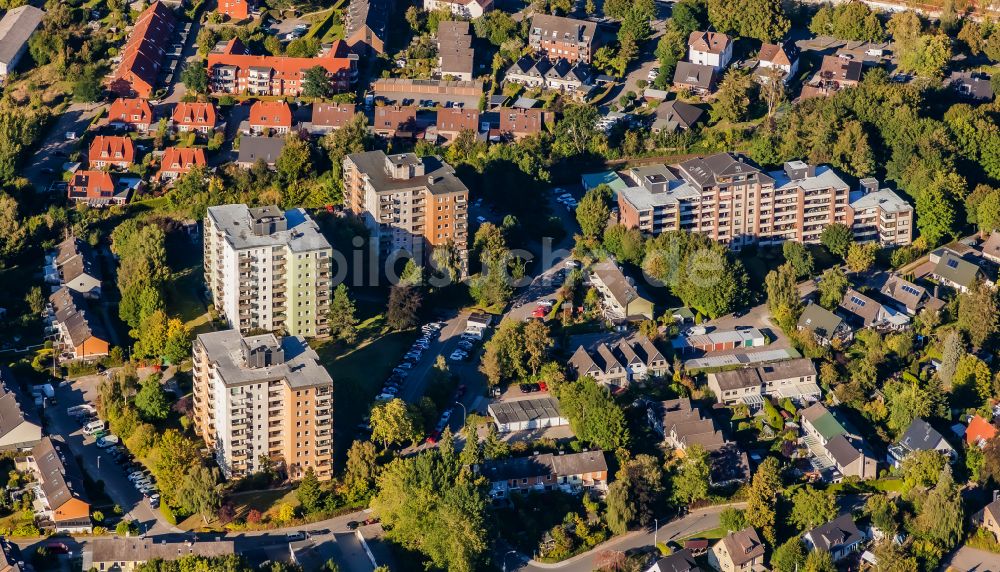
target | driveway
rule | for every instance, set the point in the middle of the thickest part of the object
(176, 89)
(54, 149)
(968, 559)
(121, 491)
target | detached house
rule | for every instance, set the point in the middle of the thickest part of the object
(621, 300)
(569, 473)
(194, 116)
(681, 561)
(133, 113)
(254, 149)
(834, 447)
(958, 273)
(683, 423)
(395, 121)
(20, 428)
(824, 325)
(908, 297)
(777, 60)
(97, 189)
(327, 117)
(979, 432)
(737, 552)
(989, 518)
(275, 116)
(111, 151)
(710, 49)
(697, 78)
(178, 161)
(865, 312)
(840, 537)
(920, 436)
(619, 364)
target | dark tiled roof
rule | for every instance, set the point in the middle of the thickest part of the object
(60, 476)
(838, 533)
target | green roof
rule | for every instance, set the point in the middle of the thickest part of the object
(609, 178)
(823, 421)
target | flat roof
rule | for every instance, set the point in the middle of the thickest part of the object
(525, 410)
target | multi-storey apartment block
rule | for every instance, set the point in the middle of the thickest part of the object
(880, 214)
(566, 38)
(263, 397)
(268, 269)
(233, 69)
(733, 201)
(409, 203)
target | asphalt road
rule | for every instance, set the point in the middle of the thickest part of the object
(968, 559)
(446, 342)
(54, 149)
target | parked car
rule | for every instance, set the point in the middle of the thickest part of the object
(457, 355)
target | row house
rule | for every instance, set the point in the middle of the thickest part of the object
(233, 69)
(111, 151)
(559, 74)
(468, 9)
(131, 552)
(178, 161)
(451, 122)
(563, 38)
(793, 379)
(366, 25)
(99, 189)
(194, 116)
(395, 121)
(74, 264)
(131, 113)
(619, 364)
(144, 52)
(683, 423)
(80, 333)
(327, 117)
(454, 48)
(833, 447)
(569, 473)
(61, 502)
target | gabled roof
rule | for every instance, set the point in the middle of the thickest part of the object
(621, 289)
(75, 258)
(920, 436)
(867, 310)
(906, 293)
(124, 109)
(778, 54)
(59, 475)
(253, 149)
(194, 114)
(112, 148)
(334, 115)
(801, 367)
(395, 117)
(737, 379)
(836, 68)
(544, 465)
(842, 451)
(371, 14)
(458, 119)
(743, 546)
(182, 159)
(681, 561)
(144, 549)
(92, 186)
(271, 114)
(823, 421)
(559, 29)
(520, 121)
(142, 54)
(336, 60)
(710, 42)
(991, 246)
(700, 76)
(16, 27)
(957, 270)
(979, 430)
(675, 114)
(839, 533)
(72, 311)
(820, 321)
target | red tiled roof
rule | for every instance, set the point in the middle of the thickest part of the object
(182, 159)
(235, 9)
(112, 149)
(271, 114)
(91, 185)
(283, 68)
(124, 110)
(143, 52)
(395, 117)
(458, 119)
(332, 114)
(194, 114)
(520, 121)
(979, 430)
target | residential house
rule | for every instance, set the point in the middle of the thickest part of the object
(366, 27)
(619, 364)
(233, 69)
(562, 38)
(80, 333)
(178, 161)
(824, 325)
(237, 10)
(194, 116)
(144, 52)
(680, 561)
(833, 447)
(126, 554)
(835, 73)
(454, 50)
(794, 379)
(738, 551)
(621, 300)
(989, 518)
(111, 151)
(270, 117)
(919, 436)
(974, 86)
(97, 189)
(696, 339)
(675, 115)
(16, 28)
(958, 273)
(696, 78)
(20, 427)
(710, 49)
(61, 502)
(470, 9)
(327, 117)
(253, 149)
(863, 312)
(395, 121)
(683, 423)
(880, 215)
(779, 61)
(526, 414)
(131, 113)
(75, 266)
(820, 424)
(991, 247)
(559, 74)
(516, 123)
(979, 432)
(908, 297)
(451, 122)
(840, 537)
(569, 473)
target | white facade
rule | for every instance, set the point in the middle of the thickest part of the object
(469, 9)
(705, 58)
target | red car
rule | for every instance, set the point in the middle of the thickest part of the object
(57, 548)
(540, 312)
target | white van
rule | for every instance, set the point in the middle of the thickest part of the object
(93, 427)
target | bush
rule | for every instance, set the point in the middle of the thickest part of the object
(168, 513)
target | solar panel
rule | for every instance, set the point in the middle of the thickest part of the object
(858, 301)
(952, 263)
(910, 290)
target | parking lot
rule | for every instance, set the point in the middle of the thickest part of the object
(427, 101)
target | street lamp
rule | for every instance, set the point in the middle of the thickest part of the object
(505, 558)
(464, 412)
(98, 462)
(656, 530)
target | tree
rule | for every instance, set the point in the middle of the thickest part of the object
(593, 414)
(127, 528)
(819, 561)
(861, 257)
(978, 314)
(884, 514)
(853, 21)
(762, 496)
(536, 344)
(361, 469)
(951, 354)
(87, 85)
(799, 257)
(195, 77)
(691, 481)
(732, 100)
(172, 460)
(940, 516)
(936, 211)
(573, 135)
(783, 296)
(852, 151)
(905, 402)
(790, 556)
(832, 286)
(343, 322)
(621, 508)
(310, 494)
(13, 229)
(812, 507)
(200, 492)
(35, 300)
(921, 469)
(763, 20)
(927, 56)
(645, 486)
(151, 401)
(316, 83)
(732, 519)
(972, 384)
(404, 303)
(837, 238)
(294, 162)
(592, 213)
(495, 26)
(392, 423)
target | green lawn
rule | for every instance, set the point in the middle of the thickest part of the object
(712, 534)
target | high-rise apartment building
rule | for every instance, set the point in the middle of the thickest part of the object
(263, 397)
(268, 269)
(409, 203)
(880, 214)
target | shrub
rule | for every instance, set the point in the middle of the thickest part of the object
(168, 513)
